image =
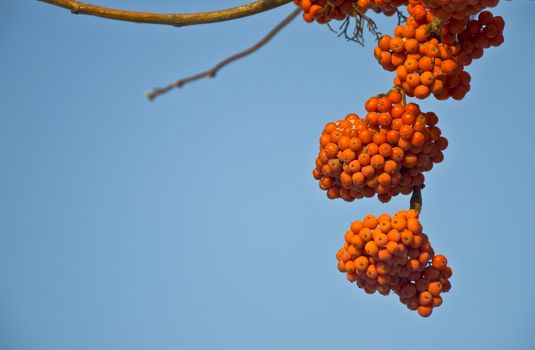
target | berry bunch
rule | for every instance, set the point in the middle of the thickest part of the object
(459, 9)
(323, 11)
(429, 56)
(387, 254)
(385, 153)
(422, 62)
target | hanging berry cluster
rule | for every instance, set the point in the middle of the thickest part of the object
(429, 56)
(386, 152)
(387, 254)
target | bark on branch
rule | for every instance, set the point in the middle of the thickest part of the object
(174, 19)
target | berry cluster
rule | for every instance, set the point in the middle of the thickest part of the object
(429, 56)
(385, 153)
(423, 63)
(459, 9)
(323, 11)
(387, 254)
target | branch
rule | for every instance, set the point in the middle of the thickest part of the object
(212, 72)
(174, 19)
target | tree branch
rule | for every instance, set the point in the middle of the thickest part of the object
(213, 71)
(174, 19)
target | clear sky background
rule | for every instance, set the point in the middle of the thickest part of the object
(193, 222)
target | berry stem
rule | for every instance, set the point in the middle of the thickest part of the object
(416, 199)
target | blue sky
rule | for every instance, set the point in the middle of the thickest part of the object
(193, 222)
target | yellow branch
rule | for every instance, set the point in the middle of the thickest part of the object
(174, 19)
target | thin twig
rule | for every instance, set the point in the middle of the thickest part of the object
(362, 21)
(372, 27)
(331, 28)
(401, 17)
(174, 19)
(212, 72)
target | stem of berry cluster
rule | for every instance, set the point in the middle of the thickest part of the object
(403, 97)
(416, 198)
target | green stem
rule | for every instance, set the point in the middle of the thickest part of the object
(416, 199)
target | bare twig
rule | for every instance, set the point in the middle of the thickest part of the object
(362, 22)
(212, 72)
(401, 17)
(174, 19)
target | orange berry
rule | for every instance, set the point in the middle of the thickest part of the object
(371, 248)
(435, 288)
(384, 255)
(413, 265)
(362, 263)
(392, 247)
(425, 298)
(406, 237)
(421, 91)
(425, 311)
(414, 225)
(370, 221)
(397, 45)
(356, 226)
(381, 240)
(365, 234)
(384, 43)
(437, 301)
(350, 266)
(439, 261)
(371, 272)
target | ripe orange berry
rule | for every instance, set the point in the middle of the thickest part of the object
(425, 298)
(370, 221)
(439, 261)
(356, 226)
(371, 248)
(435, 288)
(371, 272)
(365, 234)
(425, 311)
(422, 91)
(362, 263)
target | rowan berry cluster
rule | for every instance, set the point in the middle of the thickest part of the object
(429, 56)
(422, 63)
(385, 153)
(460, 9)
(391, 253)
(323, 11)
